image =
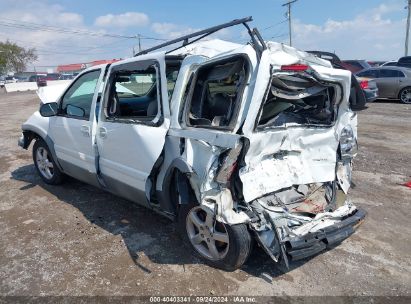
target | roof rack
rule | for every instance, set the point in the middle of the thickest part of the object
(254, 34)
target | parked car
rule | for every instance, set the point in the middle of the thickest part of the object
(404, 62)
(10, 79)
(66, 77)
(52, 76)
(369, 87)
(2, 81)
(358, 97)
(356, 65)
(392, 82)
(226, 160)
(375, 63)
(41, 81)
(390, 63)
(35, 78)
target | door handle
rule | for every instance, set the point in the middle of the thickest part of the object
(103, 132)
(85, 129)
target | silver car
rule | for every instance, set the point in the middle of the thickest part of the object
(392, 82)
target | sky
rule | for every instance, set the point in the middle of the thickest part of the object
(73, 31)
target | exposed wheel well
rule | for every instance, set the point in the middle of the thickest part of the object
(30, 135)
(180, 190)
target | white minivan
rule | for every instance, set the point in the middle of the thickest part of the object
(232, 142)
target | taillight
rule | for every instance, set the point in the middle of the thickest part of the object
(295, 67)
(364, 84)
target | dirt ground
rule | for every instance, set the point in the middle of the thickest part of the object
(77, 240)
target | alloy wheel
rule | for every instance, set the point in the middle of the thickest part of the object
(406, 96)
(44, 163)
(208, 237)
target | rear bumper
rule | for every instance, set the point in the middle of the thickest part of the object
(371, 94)
(312, 243)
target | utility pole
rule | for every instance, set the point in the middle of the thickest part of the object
(289, 17)
(139, 42)
(407, 30)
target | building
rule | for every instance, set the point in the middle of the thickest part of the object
(78, 67)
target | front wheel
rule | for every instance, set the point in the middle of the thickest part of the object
(405, 95)
(219, 245)
(45, 165)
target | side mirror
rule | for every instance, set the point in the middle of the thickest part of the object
(49, 109)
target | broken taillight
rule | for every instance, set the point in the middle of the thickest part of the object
(295, 67)
(364, 84)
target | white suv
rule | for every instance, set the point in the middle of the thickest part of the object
(232, 142)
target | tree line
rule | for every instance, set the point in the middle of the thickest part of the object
(14, 58)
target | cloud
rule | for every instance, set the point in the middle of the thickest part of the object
(171, 30)
(53, 47)
(371, 35)
(123, 20)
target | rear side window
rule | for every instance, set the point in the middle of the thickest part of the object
(216, 93)
(386, 73)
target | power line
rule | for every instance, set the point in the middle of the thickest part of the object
(275, 24)
(60, 30)
(48, 28)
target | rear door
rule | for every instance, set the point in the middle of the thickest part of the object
(133, 123)
(388, 83)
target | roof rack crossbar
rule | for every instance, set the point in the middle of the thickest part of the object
(204, 32)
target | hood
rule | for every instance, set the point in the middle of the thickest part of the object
(52, 93)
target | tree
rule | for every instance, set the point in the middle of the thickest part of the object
(14, 58)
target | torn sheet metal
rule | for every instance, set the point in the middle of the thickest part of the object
(292, 154)
(288, 157)
(344, 175)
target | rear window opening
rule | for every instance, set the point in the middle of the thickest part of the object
(298, 99)
(216, 92)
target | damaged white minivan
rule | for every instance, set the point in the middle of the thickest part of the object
(232, 142)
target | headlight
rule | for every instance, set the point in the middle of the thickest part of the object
(348, 144)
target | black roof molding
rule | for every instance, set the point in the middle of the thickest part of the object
(257, 41)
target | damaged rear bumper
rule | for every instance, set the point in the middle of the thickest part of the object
(300, 247)
(282, 237)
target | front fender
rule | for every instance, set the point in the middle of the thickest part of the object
(37, 126)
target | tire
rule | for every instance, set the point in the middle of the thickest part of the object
(45, 164)
(405, 95)
(232, 253)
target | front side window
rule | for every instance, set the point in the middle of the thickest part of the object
(134, 94)
(216, 93)
(77, 100)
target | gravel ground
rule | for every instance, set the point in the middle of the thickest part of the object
(78, 240)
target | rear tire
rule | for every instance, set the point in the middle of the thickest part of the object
(405, 95)
(45, 164)
(223, 246)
